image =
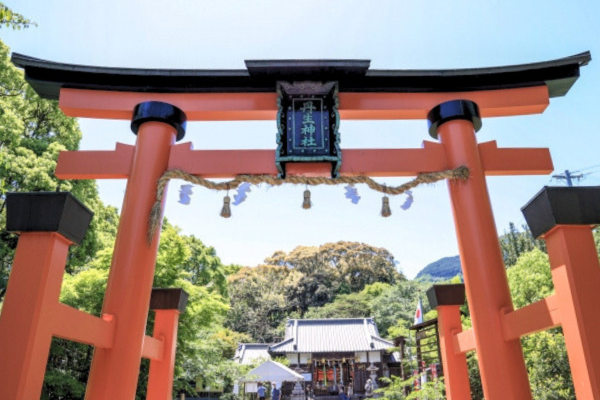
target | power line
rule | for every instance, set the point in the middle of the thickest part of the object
(586, 168)
(568, 176)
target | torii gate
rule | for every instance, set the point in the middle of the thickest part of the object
(160, 101)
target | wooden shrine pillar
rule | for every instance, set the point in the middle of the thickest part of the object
(503, 372)
(48, 223)
(447, 300)
(167, 304)
(564, 216)
(114, 372)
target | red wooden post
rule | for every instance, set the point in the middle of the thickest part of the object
(564, 216)
(49, 223)
(114, 372)
(167, 304)
(447, 299)
(501, 362)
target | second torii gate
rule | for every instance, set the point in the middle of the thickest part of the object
(159, 102)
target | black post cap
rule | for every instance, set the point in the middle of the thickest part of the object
(451, 110)
(48, 212)
(562, 205)
(446, 295)
(159, 112)
(168, 299)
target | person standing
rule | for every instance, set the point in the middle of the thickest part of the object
(350, 391)
(261, 392)
(275, 393)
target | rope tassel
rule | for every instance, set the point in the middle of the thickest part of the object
(386, 211)
(306, 204)
(226, 210)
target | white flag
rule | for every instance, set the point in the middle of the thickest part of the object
(419, 313)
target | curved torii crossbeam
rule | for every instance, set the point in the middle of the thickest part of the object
(454, 101)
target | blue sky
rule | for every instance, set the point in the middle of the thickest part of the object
(393, 34)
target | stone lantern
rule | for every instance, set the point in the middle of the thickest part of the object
(298, 391)
(373, 375)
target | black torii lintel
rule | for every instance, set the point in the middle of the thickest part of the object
(47, 77)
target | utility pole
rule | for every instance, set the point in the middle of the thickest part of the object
(568, 176)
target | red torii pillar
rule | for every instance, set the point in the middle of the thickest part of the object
(167, 304)
(114, 372)
(564, 216)
(48, 224)
(447, 300)
(501, 362)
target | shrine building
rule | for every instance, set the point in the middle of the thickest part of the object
(251, 353)
(333, 352)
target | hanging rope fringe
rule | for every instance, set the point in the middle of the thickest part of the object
(226, 210)
(306, 203)
(460, 173)
(386, 211)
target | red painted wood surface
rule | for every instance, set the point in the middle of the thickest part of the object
(371, 162)
(160, 378)
(114, 372)
(576, 278)
(263, 106)
(456, 372)
(501, 362)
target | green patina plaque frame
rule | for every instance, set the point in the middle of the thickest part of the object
(308, 125)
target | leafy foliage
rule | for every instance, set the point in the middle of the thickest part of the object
(10, 19)
(474, 376)
(530, 280)
(352, 305)
(258, 301)
(333, 269)
(401, 389)
(514, 243)
(394, 309)
(33, 132)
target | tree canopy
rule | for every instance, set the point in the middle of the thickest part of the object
(34, 131)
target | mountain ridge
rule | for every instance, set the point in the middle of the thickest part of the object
(441, 270)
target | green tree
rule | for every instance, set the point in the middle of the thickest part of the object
(205, 266)
(258, 300)
(334, 269)
(474, 376)
(514, 243)
(352, 305)
(396, 389)
(394, 309)
(11, 19)
(33, 133)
